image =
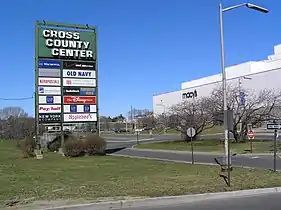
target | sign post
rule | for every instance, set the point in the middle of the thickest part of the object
(137, 137)
(275, 149)
(191, 133)
(274, 125)
(66, 74)
(251, 137)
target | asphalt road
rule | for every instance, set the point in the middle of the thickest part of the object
(262, 161)
(119, 141)
(260, 202)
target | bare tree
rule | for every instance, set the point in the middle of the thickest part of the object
(7, 112)
(195, 113)
(134, 113)
(146, 121)
(15, 123)
(165, 121)
(258, 108)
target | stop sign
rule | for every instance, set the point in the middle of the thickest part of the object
(251, 134)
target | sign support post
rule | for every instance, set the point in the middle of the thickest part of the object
(192, 153)
(251, 145)
(191, 133)
(274, 126)
(275, 149)
(36, 132)
(251, 137)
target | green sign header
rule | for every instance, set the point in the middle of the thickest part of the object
(76, 45)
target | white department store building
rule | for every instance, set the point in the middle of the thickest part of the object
(255, 75)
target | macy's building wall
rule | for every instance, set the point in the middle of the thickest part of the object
(261, 74)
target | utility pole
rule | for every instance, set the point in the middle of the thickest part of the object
(132, 118)
(241, 103)
(240, 106)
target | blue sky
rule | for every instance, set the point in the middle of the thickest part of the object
(146, 47)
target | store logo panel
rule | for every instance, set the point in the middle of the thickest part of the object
(49, 118)
(73, 108)
(49, 99)
(49, 90)
(49, 72)
(79, 99)
(49, 109)
(49, 64)
(47, 81)
(79, 73)
(78, 65)
(83, 117)
(77, 91)
(79, 82)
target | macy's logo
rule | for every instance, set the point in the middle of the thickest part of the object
(189, 94)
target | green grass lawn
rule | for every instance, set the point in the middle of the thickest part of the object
(89, 179)
(213, 130)
(171, 131)
(212, 146)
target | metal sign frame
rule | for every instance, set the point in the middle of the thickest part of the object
(62, 26)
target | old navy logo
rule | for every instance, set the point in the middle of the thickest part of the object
(79, 73)
(189, 94)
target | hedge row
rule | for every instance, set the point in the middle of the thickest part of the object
(73, 146)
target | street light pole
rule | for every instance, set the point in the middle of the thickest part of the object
(224, 88)
(225, 108)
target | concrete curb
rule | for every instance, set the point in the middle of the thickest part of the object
(167, 160)
(169, 200)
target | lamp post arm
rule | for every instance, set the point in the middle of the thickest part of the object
(234, 7)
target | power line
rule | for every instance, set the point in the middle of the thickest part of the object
(16, 99)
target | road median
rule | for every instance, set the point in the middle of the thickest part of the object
(213, 147)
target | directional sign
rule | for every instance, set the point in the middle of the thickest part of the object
(273, 126)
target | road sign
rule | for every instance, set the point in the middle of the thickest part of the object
(272, 126)
(190, 132)
(251, 134)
